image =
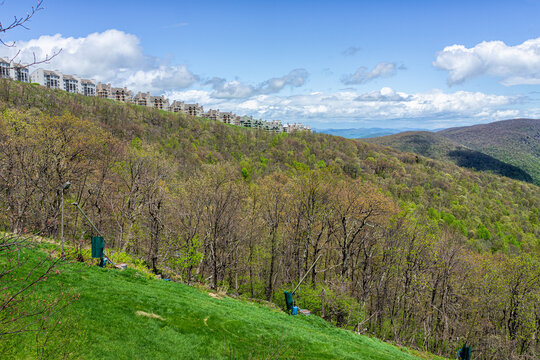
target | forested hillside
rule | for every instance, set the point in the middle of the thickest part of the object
(439, 147)
(413, 250)
(516, 142)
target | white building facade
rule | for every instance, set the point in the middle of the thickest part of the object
(14, 71)
(48, 78)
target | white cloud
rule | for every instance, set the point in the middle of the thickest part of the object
(111, 56)
(515, 65)
(431, 109)
(385, 94)
(362, 75)
(294, 78)
(164, 77)
(224, 89)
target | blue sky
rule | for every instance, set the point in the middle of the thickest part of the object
(339, 64)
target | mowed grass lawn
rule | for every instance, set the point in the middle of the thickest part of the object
(125, 315)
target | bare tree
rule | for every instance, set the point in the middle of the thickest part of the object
(22, 22)
(20, 278)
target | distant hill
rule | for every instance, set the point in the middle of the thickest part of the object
(419, 142)
(515, 142)
(510, 148)
(362, 133)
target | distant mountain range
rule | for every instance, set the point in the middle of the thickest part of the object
(510, 148)
(363, 133)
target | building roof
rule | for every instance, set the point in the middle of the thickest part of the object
(141, 95)
(125, 90)
(50, 72)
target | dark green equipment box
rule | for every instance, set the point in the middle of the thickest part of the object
(98, 244)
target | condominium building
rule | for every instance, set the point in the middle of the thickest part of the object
(106, 91)
(274, 126)
(14, 71)
(143, 99)
(178, 106)
(122, 94)
(72, 84)
(159, 102)
(194, 109)
(213, 115)
(228, 118)
(20, 73)
(246, 121)
(48, 78)
(257, 124)
(5, 69)
(290, 128)
(88, 87)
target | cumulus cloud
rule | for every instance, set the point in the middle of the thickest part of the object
(432, 109)
(162, 78)
(351, 51)
(385, 94)
(224, 89)
(363, 75)
(110, 56)
(515, 65)
(295, 78)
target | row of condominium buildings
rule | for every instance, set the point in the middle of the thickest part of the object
(74, 84)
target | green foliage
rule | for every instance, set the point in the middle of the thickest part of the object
(264, 162)
(508, 148)
(136, 143)
(245, 174)
(190, 255)
(482, 232)
(210, 158)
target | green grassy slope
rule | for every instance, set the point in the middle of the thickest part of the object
(516, 142)
(437, 146)
(190, 324)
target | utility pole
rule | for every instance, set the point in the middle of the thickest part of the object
(307, 272)
(65, 186)
(86, 217)
(94, 226)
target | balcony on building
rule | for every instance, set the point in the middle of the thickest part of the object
(71, 84)
(21, 73)
(88, 87)
(5, 69)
